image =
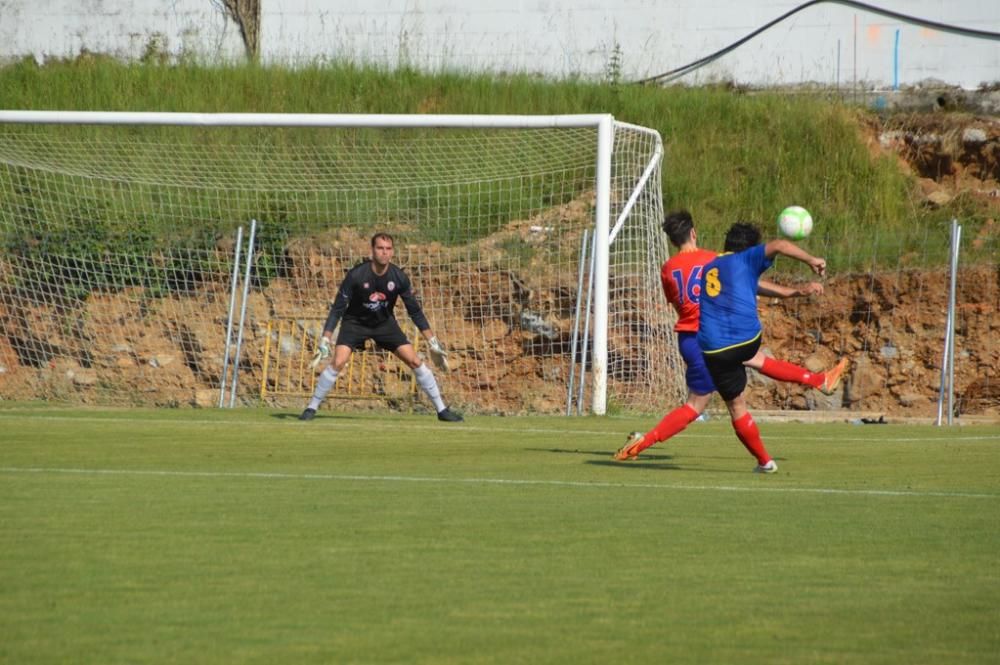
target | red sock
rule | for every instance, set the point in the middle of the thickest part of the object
(781, 370)
(749, 435)
(672, 423)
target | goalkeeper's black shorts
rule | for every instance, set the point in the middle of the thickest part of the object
(388, 335)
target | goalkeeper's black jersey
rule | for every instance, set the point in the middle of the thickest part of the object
(367, 299)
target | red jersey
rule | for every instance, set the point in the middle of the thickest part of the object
(681, 279)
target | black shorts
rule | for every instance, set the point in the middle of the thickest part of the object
(388, 335)
(727, 370)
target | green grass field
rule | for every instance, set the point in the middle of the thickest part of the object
(148, 536)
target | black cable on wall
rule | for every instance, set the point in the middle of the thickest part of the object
(674, 74)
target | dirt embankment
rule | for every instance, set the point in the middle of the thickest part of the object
(950, 154)
(892, 328)
(168, 352)
(890, 325)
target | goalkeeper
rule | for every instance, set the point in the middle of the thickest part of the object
(363, 307)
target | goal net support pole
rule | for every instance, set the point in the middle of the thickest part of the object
(602, 231)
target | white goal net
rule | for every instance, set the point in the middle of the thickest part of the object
(119, 236)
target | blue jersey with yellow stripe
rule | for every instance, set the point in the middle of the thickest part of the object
(728, 316)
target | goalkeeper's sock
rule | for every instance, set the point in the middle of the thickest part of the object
(427, 382)
(672, 423)
(749, 435)
(324, 384)
(781, 370)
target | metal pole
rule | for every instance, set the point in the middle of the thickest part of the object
(838, 71)
(267, 357)
(947, 332)
(855, 58)
(951, 339)
(586, 327)
(944, 371)
(229, 320)
(243, 313)
(895, 63)
(576, 322)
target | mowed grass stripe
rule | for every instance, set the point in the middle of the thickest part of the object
(494, 481)
(344, 421)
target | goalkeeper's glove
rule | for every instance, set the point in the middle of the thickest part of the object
(438, 354)
(322, 352)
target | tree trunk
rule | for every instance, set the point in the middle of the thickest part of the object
(246, 14)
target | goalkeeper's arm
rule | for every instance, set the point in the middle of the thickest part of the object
(323, 344)
(438, 355)
(322, 349)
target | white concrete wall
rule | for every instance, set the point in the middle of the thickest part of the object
(828, 43)
(123, 28)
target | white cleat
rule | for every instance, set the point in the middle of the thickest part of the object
(770, 467)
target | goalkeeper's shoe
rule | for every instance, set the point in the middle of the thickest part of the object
(449, 416)
(832, 378)
(631, 448)
(769, 467)
(308, 414)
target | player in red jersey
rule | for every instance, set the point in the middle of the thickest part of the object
(681, 279)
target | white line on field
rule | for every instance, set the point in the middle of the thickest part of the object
(351, 423)
(489, 481)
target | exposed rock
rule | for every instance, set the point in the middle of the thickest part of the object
(85, 377)
(939, 198)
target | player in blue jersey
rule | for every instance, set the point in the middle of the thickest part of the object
(363, 307)
(729, 330)
(681, 280)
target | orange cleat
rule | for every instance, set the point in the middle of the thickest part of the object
(631, 448)
(832, 378)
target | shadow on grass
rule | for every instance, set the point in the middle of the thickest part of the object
(654, 461)
(642, 465)
(319, 416)
(597, 453)
(657, 461)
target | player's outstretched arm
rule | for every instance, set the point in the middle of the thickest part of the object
(438, 355)
(793, 251)
(322, 350)
(769, 289)
(337, 309)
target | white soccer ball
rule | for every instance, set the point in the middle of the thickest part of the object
(795, 222)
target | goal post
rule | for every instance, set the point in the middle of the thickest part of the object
(117, 233)
(602, 230)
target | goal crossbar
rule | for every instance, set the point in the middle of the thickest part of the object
(345, 120)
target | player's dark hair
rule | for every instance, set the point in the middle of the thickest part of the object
(677, 225)
(742, 235)
(382, 236)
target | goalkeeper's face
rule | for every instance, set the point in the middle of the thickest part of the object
(382, 252)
